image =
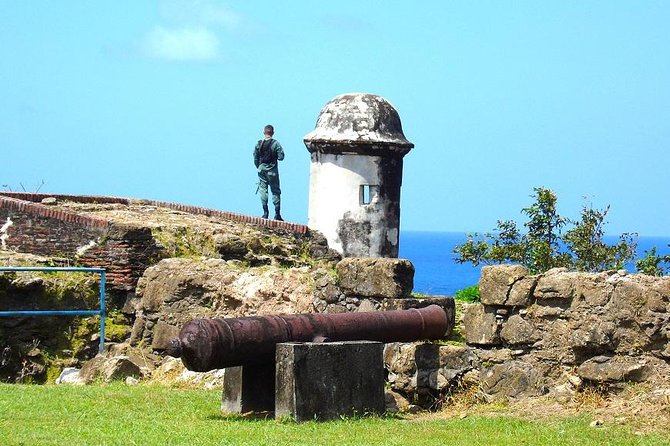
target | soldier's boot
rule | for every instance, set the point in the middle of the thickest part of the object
(278, 213)
(266, 211)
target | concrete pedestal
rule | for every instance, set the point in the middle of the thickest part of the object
(248, 389)
(327, 380)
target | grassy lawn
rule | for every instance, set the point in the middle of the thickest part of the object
(157, 415)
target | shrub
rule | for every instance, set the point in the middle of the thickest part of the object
(544, 245)
(469, 294)
(651, 263)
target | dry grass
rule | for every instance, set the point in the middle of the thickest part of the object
(639, 407)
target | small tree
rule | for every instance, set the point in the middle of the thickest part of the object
(591, 253)
(651, 263)
(543, 246)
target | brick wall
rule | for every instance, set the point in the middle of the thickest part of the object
(273, 224)
(124, 251)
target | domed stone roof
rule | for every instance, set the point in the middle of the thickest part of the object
(360, 123)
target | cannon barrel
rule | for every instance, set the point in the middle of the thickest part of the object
(207, 344)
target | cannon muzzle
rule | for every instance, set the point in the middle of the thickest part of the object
(207, 344)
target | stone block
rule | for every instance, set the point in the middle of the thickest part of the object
(513, 379)
(496, 281)
(163, 334)
(556, 284)
(248, 389)
(518, 331)
(595, 289)
(455, 361)
(375, 277)
(326, 381)
(521, 292)
(614, 368)
(399, 360)
(481, 326)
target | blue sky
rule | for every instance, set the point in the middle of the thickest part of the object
(166, 99)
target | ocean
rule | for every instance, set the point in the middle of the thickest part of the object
(438, 274)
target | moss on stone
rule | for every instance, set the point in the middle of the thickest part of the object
(183, 241)
(67, 288)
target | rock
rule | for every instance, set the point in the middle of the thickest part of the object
(146, 361)
(90, 370)
(395, 402)
(595, 289)
(69, 375)
(163, 334)
(556, 284)
(563, 393)
(613, 369)
(49, 201)
(513, 379)
(119, 368)
(375, 277)
(427, 359)
(471, 378)
(131, 305)
(521, 293)
(230, 246)
(132, 381)
(518, 331)
(108, 369)
(481, 326)
(496, 282)
(177, 290)
(628, 297)
(494, 356)
(366, 306)
(168, 371)
(336, 308)
(593, 337)
(211, 379)
(537, 311)
(399, 361)
(455, 361)
(331, 293)
(575, 381)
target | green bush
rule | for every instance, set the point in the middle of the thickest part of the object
(651, 263)
(469, 294)
(544, 244)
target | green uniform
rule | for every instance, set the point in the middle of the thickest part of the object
(267, 153)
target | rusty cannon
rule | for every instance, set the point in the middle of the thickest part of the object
(207, 344)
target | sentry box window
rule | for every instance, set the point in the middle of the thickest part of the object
(368, 193)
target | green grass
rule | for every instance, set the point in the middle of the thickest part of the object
(156, 415)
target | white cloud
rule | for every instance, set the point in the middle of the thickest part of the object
(200, 12)
(181, 44)
(190, 30)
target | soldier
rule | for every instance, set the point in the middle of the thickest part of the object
(267, 153)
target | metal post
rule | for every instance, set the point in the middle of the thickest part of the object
(102, 311)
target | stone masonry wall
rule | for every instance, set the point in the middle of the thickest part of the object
(556, 331)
